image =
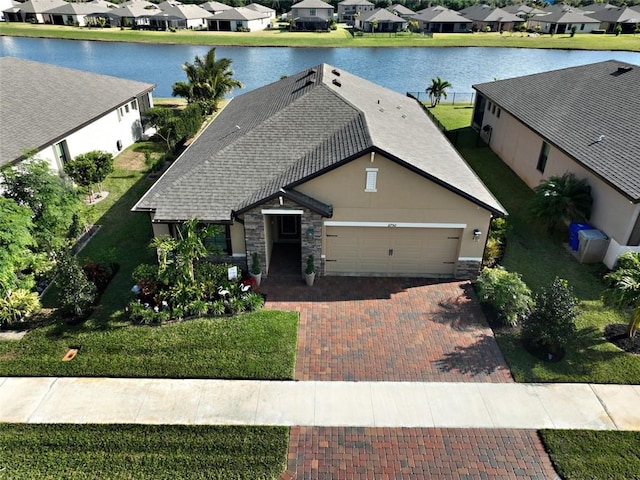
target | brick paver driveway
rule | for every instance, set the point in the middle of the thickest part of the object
(389, 329)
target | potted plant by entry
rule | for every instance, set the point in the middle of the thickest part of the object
(255, 271)
(310, 271)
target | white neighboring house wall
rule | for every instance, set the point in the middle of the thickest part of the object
(111, 133)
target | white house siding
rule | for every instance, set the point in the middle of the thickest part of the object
(102, 134)
(196, 23)
(256, 25)
(519, 148)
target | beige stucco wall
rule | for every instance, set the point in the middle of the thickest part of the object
(401, 196)
(519, 148)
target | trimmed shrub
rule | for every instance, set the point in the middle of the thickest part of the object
(552, 322)
(506, 293)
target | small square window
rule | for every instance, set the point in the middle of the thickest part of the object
(493, 109)
(372, 179)
(126, 108)
(499, 112)
(134, 105)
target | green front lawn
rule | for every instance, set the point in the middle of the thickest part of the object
(142, 452)
(594, 455)
(539, 258)
(257, 345)
(335, 38)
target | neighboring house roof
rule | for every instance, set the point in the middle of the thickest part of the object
(78, 9)
(401, 9)
(41, 104)
(522, 10)
(485, 13)
(355, 2)
(135, 10)
(596, 7)
(238, 13)
(260, 8)
(565, 16)
(562, 7)
(440, 14)
(285, 133)
(185, 12)
(215, 6)
(138, 3)
(617, 15)
(40, 6)
(571, 108)
(312, 4)
(102, 3)
(384, 16)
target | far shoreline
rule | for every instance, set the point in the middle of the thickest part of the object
(340, 38)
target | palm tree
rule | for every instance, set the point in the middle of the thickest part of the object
(560, 200)
(209, 80)
(624, 287)
(437, 90)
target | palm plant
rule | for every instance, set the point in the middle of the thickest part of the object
(209, 80)
(560, 200)
(624, 287)
(437, 90)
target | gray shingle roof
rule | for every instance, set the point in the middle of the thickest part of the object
(312, 4)
(440, 15)
(40, 103)
(384, 16)
(486, 13)
(565, 16)
(238, 13)
(281, 135)
(572, 107)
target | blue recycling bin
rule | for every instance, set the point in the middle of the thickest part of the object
(574, 239)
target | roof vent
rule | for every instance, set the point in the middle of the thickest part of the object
(336, 83)
(312, 72)
(310, 81)
(624, 69)
(335, 72)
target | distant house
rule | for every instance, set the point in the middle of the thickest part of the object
(178, 16)
(402, 11)
(9, 8)
(350, 10)
(381, 20)
(239, 18)
(561, 20)
(439, 19)
(626, 17)
(215, 7)
(74, 13)
(131, 13)
(582, 120)
(311, 15)
(328, 164)
(269, 13)
(523, 11)
(58, 113)
(32, 11)
(485, 17)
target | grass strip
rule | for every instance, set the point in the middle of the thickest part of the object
(256, 345)
(594, 455)
(335, 38)
(142, 451)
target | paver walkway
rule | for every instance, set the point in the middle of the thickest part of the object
(389, 329)
(416, 454)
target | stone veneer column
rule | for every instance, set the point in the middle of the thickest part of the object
(468, 269)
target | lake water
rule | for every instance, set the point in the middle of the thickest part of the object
(400, 69)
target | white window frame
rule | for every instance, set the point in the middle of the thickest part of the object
(371, 180)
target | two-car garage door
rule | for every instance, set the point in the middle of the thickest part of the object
(391, 250)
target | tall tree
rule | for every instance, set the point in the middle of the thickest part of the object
(208, 81)
(437, 90)
(52, 199)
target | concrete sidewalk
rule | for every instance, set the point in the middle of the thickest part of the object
(359, 404)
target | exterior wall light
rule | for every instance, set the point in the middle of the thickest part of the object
(476, 234)
(309, 234)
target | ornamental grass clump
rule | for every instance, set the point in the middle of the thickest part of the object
(506, 293)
